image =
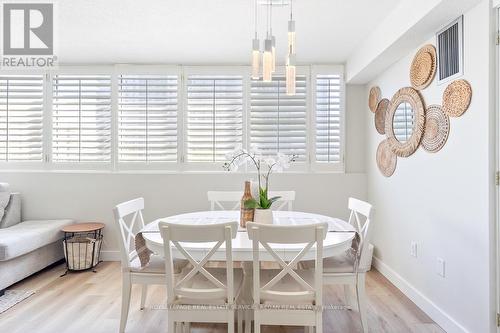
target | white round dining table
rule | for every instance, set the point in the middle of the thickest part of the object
(338, 239)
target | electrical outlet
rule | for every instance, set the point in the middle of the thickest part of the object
(413, 249)
(440, 264)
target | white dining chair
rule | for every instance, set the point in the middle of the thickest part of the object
(230, 200)
(349, 269)
(129, 220)
(201, 294)
(276, 292)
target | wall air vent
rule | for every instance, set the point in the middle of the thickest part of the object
(449, 41)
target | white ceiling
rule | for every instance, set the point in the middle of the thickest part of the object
(207, 31)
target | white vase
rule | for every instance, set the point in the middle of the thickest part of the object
(263, 216)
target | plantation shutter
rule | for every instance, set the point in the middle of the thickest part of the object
(21, 117)
(328, 118)
(81, 129)
(147, 120)
(403, 122)
(214, 116)
(278, 121)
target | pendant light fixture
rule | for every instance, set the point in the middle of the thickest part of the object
(267, 58)
(267, 66)
(269, 54)
(273, 51)
(255, 51)
(291, 69)
(291, 72)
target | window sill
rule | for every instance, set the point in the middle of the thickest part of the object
(162, 172)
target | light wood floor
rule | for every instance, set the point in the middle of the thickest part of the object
(90, 302)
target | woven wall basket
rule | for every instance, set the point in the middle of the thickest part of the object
(374, 98)
(380, 115)
(437, 128)
(456, 98)
(411, 96)
(423, 67)
(386, 159)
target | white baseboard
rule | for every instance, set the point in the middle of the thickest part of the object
(110, 256)
(437, 314)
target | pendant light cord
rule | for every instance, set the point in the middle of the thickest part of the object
(267, 23)
(271, 17)
(255, 19)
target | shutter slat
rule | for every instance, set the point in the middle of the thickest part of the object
(327, 115)
(147, 121)
(21, 117)
(403, 122)
(214, 116)
(278, 121)
(81, 118)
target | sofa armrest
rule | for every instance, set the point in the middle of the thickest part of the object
(12, 214)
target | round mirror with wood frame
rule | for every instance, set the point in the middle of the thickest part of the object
(411, 100)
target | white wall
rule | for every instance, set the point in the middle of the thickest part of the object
(91, 196)
(442, 201)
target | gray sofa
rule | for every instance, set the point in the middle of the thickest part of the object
(26, 247)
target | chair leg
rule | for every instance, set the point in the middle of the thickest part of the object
(144, 293)
(349, 296)
(126, 289)
(248, 321)
(240, 320)
(230, 322)
(361, 296)
(256, 321)
(319, 322)
(171, 325)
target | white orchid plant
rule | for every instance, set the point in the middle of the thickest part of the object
(265, 167)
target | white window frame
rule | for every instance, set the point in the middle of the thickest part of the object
(144, 70)
(308, 166)
(327, 167)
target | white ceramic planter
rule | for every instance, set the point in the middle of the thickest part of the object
(263, 216)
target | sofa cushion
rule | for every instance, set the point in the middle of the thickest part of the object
(4, 198)
(12, 214)
(28, 236)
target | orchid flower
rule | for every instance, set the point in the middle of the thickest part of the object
(240, 156)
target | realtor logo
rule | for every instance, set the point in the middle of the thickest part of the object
(28, 30)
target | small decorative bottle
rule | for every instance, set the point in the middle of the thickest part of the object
(246, 213)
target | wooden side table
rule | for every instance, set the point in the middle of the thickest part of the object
(82, 246)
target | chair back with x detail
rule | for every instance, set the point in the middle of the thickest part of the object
(129, 219)
(360, 218)
(183, 289)
(274, 292)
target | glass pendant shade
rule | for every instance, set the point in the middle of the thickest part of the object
(291, 72)
(255, 59)
(291, 36)
(267, 61)
(273, 50)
